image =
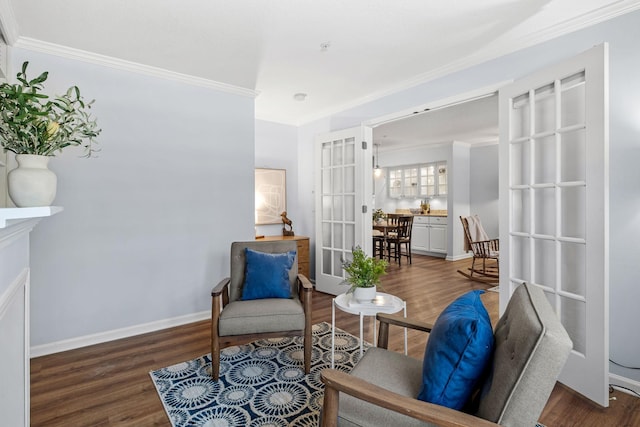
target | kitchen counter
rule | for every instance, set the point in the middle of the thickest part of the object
(435, 212)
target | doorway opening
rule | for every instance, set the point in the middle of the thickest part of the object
(457, 139)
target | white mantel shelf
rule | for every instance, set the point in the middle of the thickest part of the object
(11, 216)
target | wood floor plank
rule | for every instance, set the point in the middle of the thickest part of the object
(109, 385)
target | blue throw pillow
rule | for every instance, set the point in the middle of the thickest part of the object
(267, 275)
(459, 349)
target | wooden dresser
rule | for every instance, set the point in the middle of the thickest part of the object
(303, 251)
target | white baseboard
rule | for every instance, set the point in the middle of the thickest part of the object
(433, 254)
(73, 343)
(624, 382)
(459, 257)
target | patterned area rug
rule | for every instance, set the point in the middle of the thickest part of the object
(261, 383)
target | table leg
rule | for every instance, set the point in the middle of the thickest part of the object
(404, 306)
(375, 335)
(333, 331)
(361, 319)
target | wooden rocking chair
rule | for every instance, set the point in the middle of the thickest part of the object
(486, 251)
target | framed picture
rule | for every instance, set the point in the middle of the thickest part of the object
(271, 195)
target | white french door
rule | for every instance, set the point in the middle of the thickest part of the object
(554, 205)
(343, 220)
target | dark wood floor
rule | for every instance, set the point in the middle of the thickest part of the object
(109, 385)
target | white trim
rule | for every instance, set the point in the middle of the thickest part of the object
(10, 293)
(116, 334)
(27, 344)
(459, 257)
(11, 216)
(121, 64)
(459, 98)
(8, 23)
(18, 294)
(16, 231)
(624, 382)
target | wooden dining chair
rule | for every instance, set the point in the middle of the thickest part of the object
(379, 244)
(402, 237)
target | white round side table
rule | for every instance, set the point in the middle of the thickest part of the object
(386, 303)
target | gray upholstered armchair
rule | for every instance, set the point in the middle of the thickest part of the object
(234, 317)
(531, 347)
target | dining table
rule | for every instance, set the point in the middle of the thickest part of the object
(385, 227)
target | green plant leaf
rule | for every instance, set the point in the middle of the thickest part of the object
(26, 112)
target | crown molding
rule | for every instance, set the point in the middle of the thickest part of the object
(121, 64)
(583, 21)
(8, 23)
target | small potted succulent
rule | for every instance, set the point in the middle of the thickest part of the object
(363, 274)
(35, 127)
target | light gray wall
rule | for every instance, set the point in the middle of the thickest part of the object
(458, 197)
(483, 195)
(147, 226)
(277, 148)
(622, 33)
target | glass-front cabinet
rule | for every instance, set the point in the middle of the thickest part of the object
(424, 180)
(395, 182)
(442, 178)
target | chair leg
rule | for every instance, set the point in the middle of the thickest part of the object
(407, 251)
(215, 339)
(215, 362)
(308, 343)
(308, 331)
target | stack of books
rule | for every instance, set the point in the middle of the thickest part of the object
(380, 301)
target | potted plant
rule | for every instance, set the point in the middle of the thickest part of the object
(378, 215)
(35, 127)
(363, 274)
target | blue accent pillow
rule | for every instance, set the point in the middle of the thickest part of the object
(459, 348)
(267, 275)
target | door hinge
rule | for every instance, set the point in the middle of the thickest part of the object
(364, 208)
(364, 145)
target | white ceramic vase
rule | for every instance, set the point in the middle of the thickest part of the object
(364, 294)
(32, 183)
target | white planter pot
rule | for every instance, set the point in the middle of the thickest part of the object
(364, 294)
(32, 183)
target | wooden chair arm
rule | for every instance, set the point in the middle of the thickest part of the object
(393, 319)
(403, 322)
(305, 291)
(304, 283)
(220, 287)
(336, 381)
(486, 242)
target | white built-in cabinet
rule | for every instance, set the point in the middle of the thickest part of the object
(429, 234)
(422, 180)
(15, 373)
